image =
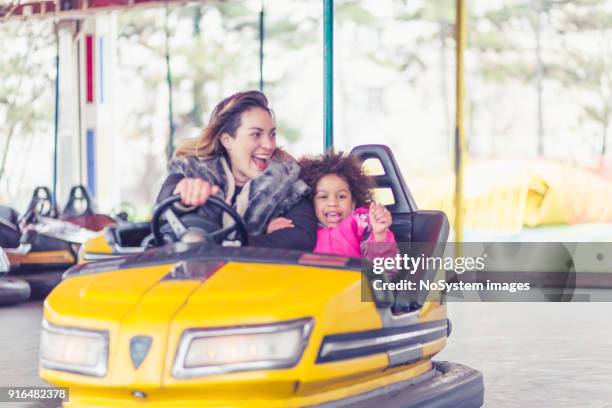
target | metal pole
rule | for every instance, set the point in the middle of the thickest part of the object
(539, 78)
(328, 73)
(56, 120)
(459, 124)
(169, 81)
(261, 46)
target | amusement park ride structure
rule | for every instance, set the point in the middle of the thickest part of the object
(71, 8)
(86, 32)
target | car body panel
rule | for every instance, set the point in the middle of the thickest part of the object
(48, 258)
(97, 245)
(157, 302)
(247, 390)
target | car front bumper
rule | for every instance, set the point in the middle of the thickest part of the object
(446, 385)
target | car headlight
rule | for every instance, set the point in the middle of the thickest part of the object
(217, 351)
(74, 350)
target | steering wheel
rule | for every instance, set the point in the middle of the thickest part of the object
(180, 230)
(41, 204)
(124, 212)
(79, 203)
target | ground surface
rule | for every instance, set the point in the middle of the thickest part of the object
(536, 355)
(19, 338)
(532, 354)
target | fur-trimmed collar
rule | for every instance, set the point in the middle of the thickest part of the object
(270, 194)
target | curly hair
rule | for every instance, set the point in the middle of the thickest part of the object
(346, 167)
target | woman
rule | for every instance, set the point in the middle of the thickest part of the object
(236, 158)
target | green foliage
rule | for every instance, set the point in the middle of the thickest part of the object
(354, 12)
(491, 42)
(287, 131)
(586, 71)
(26, 83)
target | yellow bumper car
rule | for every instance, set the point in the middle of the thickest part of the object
(208, 325)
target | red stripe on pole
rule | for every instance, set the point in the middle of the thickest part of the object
(89, 74)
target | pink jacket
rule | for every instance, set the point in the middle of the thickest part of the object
(347, 238)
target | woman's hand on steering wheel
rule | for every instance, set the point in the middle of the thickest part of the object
(181, 230)
(194, 192)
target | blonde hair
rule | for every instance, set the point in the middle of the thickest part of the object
(225, 118)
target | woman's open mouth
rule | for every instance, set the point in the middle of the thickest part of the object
(260, 162)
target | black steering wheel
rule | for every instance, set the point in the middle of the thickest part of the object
(79, 203)
(180, 230)
(41, 204)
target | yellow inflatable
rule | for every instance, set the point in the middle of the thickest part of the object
(509, 194)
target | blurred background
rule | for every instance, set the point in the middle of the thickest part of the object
(537, 109)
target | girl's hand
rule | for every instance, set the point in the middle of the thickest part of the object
(380, 220)
(279, 223)
(194, 191)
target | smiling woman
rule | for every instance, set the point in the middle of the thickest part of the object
(236, 159)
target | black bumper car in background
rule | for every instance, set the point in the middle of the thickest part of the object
(43, 243)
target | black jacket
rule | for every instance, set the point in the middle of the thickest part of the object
(302, 236)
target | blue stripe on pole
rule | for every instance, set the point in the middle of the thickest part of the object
(101, 65)
(91, 162)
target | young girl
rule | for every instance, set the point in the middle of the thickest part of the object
(349, 220)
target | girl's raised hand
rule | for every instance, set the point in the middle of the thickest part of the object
(380, 220)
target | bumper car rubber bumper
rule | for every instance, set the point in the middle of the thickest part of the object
(13, 291)
(447, 385)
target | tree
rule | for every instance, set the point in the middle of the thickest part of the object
(510, 18)
(25, 89)
(589, 72)
(440, 13)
